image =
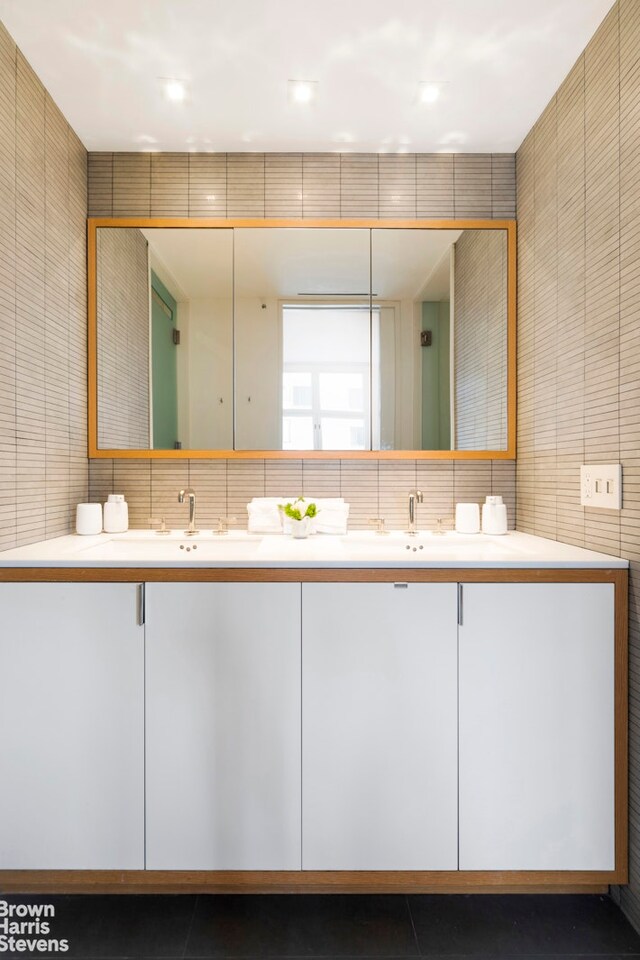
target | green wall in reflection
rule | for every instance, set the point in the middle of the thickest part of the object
(436, 376)
(163, 366)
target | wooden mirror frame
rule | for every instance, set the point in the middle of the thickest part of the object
(95, 452)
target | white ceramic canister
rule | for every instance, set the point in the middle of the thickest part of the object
(88, 519)
(467, 518)
(494, 516)
(116, 514)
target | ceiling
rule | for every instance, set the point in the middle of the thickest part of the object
(499, 62)
(200, 264)
(192, 264)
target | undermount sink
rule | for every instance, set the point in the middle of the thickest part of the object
(200, 547)
(399, 545)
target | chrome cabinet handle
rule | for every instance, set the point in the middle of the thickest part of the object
(140, 604)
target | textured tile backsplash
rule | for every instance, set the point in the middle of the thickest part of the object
(373, 488)
(579, 322)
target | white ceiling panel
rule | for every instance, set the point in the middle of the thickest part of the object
(498, 63)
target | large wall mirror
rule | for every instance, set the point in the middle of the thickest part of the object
(266, 338)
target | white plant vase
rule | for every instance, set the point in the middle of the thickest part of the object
(300, 528)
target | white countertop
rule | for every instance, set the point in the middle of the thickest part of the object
(145, 548)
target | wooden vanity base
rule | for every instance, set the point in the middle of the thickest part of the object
(182, 881)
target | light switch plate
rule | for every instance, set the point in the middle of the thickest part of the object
(601, 485)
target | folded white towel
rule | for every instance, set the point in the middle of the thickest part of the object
(332, 520)
(265, 515)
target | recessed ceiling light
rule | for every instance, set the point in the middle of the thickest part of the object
(430, 90)
(302, 91)
(174, 90)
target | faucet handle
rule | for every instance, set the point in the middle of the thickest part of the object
(378, 523)
(162, 531)
(439, 530)
(223, 524)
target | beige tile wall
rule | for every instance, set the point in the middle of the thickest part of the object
(123, 350)
(578, 174)
(373, 488)
(480, 296)
(43, 203)
(302, 185)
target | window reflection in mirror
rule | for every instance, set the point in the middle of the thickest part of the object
(326, 372)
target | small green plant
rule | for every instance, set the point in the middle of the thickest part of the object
(295, 513)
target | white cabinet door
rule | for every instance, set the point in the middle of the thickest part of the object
(379, 706)
(223, 726)
(71, 727)
(537, 727)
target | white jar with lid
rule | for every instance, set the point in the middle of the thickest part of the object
(494, 516)
(89, 519)
(467, 518)
(116, 514)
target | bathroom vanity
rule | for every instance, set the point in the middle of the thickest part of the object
(359, 713)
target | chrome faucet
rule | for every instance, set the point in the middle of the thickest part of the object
(191, 531)
(415, 496)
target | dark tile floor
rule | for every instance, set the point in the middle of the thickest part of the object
(357, 927)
